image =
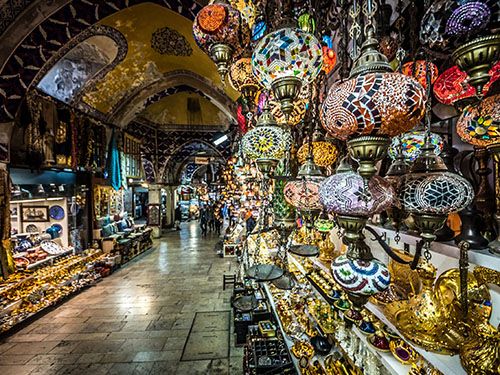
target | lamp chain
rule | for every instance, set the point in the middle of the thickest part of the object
(355, 31)
(370, 8)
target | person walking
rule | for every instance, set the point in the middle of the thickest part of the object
(203, 220)
(178, 217)
(250, 222)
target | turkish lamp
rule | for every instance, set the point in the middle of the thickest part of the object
(242, 79)
(430, 193)
(285, 60)
(477, 57)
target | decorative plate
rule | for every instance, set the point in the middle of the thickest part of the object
(58, 227)
(56, 212)
(51, 247)
(32, 228)
(24, 245)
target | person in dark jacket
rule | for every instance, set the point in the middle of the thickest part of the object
(204, 220)
(178, 217)
(250, 222)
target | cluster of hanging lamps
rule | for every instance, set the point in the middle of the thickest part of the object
(221, 33)
(284, 61)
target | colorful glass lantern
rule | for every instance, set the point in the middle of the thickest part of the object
(285, 60)
(452, 85)
(388, 47)
(329, 59)
(411, 144)
(479, 124)
(324, 153)
(259, 30)
(449, 21)
(306, 23)
(344, 194)
(360, 277)
(266, 141)
(217, 30)
(418, 71)
(304, 193)
(242, 79)
(385, 104)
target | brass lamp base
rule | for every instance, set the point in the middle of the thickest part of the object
(428, 225)
(267, 165)
(353, 225)
(221, 55)
(477, 57)
(367, 150)
(249, 92)
(397, 216)
(286, 90)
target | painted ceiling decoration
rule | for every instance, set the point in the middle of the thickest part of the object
(9, 10)
(52, 34)
(167, 41)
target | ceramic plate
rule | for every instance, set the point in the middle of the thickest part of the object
(32, 228)
(51, 247)
(56, 212)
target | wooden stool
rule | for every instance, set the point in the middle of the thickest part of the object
(228, 280)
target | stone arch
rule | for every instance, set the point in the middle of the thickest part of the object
(30, 41)
(128, 108)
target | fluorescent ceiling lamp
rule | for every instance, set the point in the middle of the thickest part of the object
(218, 141)
(28, 200)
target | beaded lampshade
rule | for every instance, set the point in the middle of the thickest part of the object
(324, 153)
(344, 194)
(304, 193)
(218, 31)
(284, 61)
(479, 124)
(447, 21)
(266, 140)
(412, 143)
(288, 52)
(418, 71)
(242, 79)
(373, 104)
(360, 277)
(451, 86)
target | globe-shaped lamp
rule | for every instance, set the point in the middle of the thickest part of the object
(479, 123)
(285, 60)
(418, 70)
(411, 145)
(242, 79)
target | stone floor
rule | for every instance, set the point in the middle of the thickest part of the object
(138, 320)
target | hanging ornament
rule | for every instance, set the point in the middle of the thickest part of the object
(329, 59)
(411, 145)
(242, 79)
(418, 70)
(218, 31)
(452, 86)
(285, 60)
(324, 153)
(479, 124)
(306, 23)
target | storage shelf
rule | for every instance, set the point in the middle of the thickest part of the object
(448, 365)
(478, 257)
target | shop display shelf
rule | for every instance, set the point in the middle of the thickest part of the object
(477, 257)
(445, 363)
(49, 259)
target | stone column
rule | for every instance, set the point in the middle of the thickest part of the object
(170, 207)
(155, 198)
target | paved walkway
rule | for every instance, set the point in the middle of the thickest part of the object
(138, 320)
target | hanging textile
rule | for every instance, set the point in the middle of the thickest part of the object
(6, 256)
(34, 138)
(113, 163)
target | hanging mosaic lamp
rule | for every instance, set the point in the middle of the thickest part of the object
(452, 87)
(323, 152)
(303, 193)
(479, 123)
(477, 57)
(418, 71)
(284, 212)
(398, 169)
(284, 61)
(306, 23)
(411, 145)
(300, 106)
(218, 31)
(430, 193)
(371, 107)
(266, 142)
(450, 22)
(329, 56)
(242, 79)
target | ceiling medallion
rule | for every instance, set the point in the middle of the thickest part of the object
(167, 41)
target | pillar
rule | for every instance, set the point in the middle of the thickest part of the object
(155, 198)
